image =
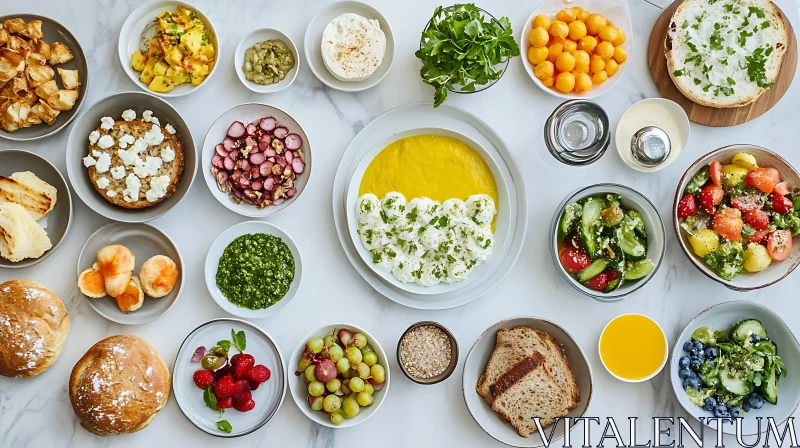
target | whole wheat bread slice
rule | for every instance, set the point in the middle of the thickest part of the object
(527, 391)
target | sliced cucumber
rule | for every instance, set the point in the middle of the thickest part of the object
(589, 216)
(743, 329)
(630, 244)
(592, 270)
(710, 380)
(613, 285)
(638, 269)
(767, 347)
(569, 218)
(770, 387)
(734, 385)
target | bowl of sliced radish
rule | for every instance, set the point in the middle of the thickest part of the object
(256, 160)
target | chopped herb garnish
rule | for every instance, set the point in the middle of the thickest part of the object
(681, 72)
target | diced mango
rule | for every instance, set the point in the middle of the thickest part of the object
(208, 51)
(745, 160)
(732, 175)
(161, 84)
(177, 75)
(173, 56)
(147, 74)
(756, 258)
(137, 61)
(192, 41)
(704, 242)
(160, 68)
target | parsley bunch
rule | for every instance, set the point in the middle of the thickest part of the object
(460, 47)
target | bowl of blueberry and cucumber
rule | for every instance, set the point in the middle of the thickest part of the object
(737, 360)
(608, 241)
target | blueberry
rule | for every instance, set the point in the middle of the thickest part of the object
(695, 364)
(754, 395)
(684, 373)
(683, 363)
(755, 402)
(695, 354)
(736, 412)
(711, 353)
(698, 346)
(694, 383)
(745, 407)
(688, 346)
(709, 404)
(755, 338)
(720, 411)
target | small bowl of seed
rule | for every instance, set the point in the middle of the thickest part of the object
(427, 353)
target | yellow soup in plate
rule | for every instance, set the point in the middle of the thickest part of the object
(428, 165)
(633, 347)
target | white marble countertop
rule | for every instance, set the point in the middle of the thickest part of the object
(37, 412)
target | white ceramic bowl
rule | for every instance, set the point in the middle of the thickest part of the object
(249, 113)
(258, 36)
(299, 385)
(721, 317)
(313, 45)
(656, 236)
(144, 241)
(475, 364)
(130, 38)
(745, 281)
(647, 378)
(671, 108)
(268, 397)
(615, 10)
(502, 223)
(215, 253)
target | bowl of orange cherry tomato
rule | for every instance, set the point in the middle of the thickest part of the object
(577, 51)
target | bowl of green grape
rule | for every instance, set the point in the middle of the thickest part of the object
(342, 375)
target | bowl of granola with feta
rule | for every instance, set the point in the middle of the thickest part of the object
(131, 157)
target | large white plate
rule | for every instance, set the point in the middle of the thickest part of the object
(422, 115)
(501, 223)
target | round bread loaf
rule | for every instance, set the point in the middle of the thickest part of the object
(33, 328)
(119, 385)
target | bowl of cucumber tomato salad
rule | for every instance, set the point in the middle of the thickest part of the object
(737, 360)
(608, 240)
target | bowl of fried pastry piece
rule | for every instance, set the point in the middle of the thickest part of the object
(131, 157)
(43, 77)
(516, 359)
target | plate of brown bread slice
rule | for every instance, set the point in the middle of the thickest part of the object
(521, 368)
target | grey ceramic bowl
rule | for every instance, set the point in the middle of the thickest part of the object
(54, 31)
(59, 219)
(112, 106)
(776, 271)
(722, 317)
(144, 241)
(656, 236)
(453, 355)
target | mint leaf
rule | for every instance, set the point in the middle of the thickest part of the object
(226, 345)
(239, 340)
(211, 400)
(224, 426)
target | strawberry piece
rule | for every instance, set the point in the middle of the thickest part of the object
(254, 385)
(757, 219)
(225, 388)
(243, 357)
(728, 223)
(598, 282)
(259, 373)
(612, 274)
(244, 407)
(687, 207)
(781, 203)
(203, 378)
(242, 385)
(781, 188)
(574, 259)
(242, 397)
(225, 403)
(710, 197)
(225, 371)
(748, 201)
(715, 172)
(757, 237)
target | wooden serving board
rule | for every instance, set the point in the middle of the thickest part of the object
(711, 116)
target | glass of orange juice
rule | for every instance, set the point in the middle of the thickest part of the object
(633, 348)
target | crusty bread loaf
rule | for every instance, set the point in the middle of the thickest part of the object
(527, 391)
(515, 344)
(20, 236)
(118, 386)
(33, 328)
(36, 196)
(710, 47)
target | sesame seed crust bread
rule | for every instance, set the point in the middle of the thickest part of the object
(705, 56)
(137, 128)
(118, 386)
(33, 328)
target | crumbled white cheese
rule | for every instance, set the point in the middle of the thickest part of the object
(105, 142)
(133, 184)
(118, 172)
(93, 137)
(106, 123)
(89, 161)
(96, 153)
(139, 168)
(170, 129)
(139, 145)
(103, 182)
(128, 156)
(154, 136)
(147, 115)
(111, 193)
(152, 165)
(125, 140)
(158, 188)
(128, 115)
(103, 163)
(155, 121)
(168, 154)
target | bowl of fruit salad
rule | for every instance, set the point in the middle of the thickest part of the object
(608, 240)
(342, 375)
(737, 359)
(736, 212)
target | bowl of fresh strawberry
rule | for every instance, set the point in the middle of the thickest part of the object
(229, 378)
(608, 240)
(736, 213)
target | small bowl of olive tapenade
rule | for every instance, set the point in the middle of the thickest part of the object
(266, 61)
(253, 269)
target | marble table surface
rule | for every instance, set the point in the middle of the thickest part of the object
(36, 412)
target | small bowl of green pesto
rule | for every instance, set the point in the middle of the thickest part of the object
(253, 269)
(266, 61)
